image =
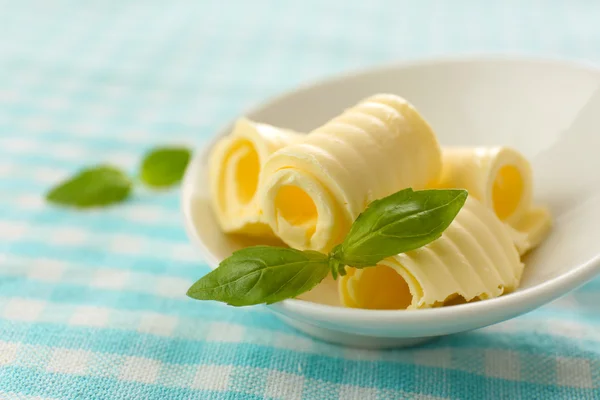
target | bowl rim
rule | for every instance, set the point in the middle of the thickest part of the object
(526, 299)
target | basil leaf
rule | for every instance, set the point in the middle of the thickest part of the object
(97, 186)
(401, 222)
(164, 167)
(262, 274)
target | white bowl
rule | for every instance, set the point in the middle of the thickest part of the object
(528, 104)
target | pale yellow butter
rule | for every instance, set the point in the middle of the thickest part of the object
(475, 258)
(502, 179)
(313, 190)
(234, 169)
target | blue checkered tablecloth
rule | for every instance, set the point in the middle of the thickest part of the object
(93, 305)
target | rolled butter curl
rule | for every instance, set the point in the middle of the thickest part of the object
(475, 258)
(313, 190)
(502, 179)
(499, 177)
(534, 226)
(234, 172)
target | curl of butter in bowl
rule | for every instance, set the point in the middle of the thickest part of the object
(313, 190)
(298, 172)
(234, 168)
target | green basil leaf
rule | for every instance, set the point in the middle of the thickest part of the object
(262, 274)
(164, 167)
(401, 222)
(93, 187)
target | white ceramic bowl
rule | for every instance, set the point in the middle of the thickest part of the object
(528, 104)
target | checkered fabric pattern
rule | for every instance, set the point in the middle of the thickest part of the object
(93, 305)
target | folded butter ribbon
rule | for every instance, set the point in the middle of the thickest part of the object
(308, 189)
(501, 178)
(475, 258)
(313, 190)
(234, 168)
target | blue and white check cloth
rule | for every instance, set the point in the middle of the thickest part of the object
(93, 305)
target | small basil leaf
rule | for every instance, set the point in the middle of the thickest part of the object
(401, 222)
(164, 167)
(93, 187)
(262, 274)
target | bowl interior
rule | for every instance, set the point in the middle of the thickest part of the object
(530, 105)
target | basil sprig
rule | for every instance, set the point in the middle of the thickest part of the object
(401, 222)
(262, 274)
(104, 185)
